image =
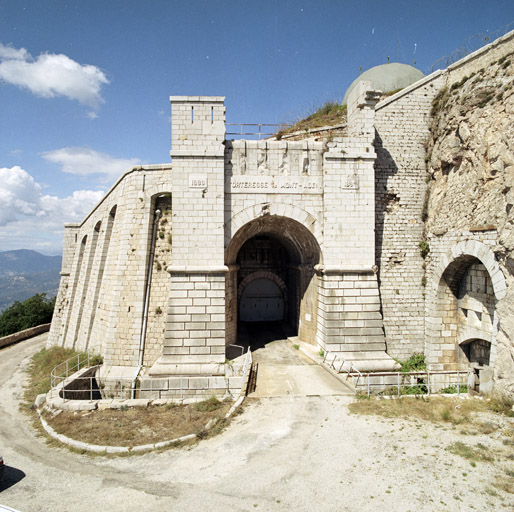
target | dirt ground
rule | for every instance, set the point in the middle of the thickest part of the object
(286, 453)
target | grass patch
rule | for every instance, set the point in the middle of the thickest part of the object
(435, 409)
(474, 454)
(329, 114)
(42, 363)
(137, 425)
(439, 101)
(505, 484)
(502, 404)
(209, 405)
(453, 390)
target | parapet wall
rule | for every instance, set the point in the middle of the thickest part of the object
(101, 296)
(23, 335)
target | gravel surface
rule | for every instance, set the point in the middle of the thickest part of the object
(288, 453)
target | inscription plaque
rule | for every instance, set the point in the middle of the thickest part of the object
(275, 185)
(197, 181)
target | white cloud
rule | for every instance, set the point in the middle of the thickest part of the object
(83, 161)
(19, 194)
(52, 75)
(32, 220)
(8, 52)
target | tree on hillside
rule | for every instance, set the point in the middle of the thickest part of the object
(34, 311)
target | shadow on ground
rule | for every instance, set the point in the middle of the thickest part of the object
(11, 477)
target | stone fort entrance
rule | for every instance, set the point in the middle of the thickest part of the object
(300, 230)
(270, 231)
(272, 276)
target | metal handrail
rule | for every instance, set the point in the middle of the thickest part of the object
(259, 132)
(69, 367)
(126, 386)
(402, 380)
(238, 346)
(343, 361)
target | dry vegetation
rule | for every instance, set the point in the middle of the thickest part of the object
(42, 363)
(472, 419)
(138, 426)
(330, 114)
(120, 427)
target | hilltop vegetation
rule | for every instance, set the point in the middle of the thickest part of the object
(22, 315)
(330, 113)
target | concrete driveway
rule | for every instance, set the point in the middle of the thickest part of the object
(283, 370)
(282, 454)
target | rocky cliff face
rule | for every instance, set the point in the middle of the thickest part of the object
(471, 161)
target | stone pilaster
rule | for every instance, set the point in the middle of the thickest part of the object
(194, 341)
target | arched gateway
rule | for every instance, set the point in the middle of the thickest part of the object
(271, 262)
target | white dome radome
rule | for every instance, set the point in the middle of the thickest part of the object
(387, 77)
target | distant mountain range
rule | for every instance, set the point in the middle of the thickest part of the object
(24, 273)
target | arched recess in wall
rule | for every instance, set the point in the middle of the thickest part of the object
(73, 288)
(462, 321)
(156, 278)
(81, 344)
(286, 248)
(99, 278)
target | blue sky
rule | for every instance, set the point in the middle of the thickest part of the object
(84, 84)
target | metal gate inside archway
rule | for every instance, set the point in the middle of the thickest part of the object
(272, 278)
(261, 301)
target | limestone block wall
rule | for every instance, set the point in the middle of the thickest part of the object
(349, 318)
(275, 179)
(62, 298)
(106, 257)
(197, 274)
(402, 132)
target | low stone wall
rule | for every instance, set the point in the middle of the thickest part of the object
(191, 387)
(23, 335)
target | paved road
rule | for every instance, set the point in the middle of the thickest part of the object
(281, 454)
(283, 370)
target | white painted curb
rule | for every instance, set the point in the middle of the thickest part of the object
(95, 448)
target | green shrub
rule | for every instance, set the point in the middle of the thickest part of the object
(96, 360)
(453, 389)
(424, 248)
(209, 405)
(415, 363)
(34, 311)
(439, 101)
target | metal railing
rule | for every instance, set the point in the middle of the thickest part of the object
(238, 346)
(62, 371)
(86, 387)
(415, 383)
(262, 129)
(247, 365)
(343, 365)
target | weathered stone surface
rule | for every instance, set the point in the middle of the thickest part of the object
(368, 246)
